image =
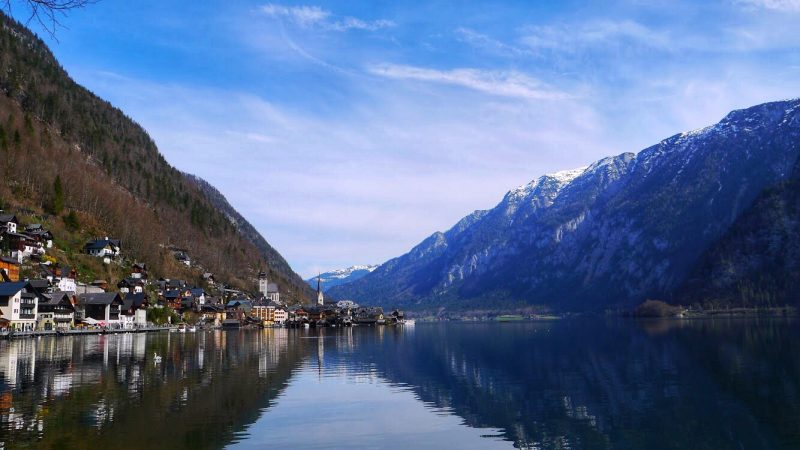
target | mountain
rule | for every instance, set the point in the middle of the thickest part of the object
(623, 229)
(339, 277)
(277, 267)
(757, 262)
(115, 181)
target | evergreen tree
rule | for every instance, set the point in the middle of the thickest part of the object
(71, 221)
(58, 196)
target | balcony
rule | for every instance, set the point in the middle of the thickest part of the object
(27, 316)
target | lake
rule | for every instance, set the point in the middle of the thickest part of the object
(722, 383)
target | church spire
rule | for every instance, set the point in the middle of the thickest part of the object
(320, 297)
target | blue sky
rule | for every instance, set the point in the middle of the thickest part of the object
(347, 132)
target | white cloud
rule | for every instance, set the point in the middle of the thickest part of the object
(485, 42)
(316, 17)
(575, 36)
(499, 83)
(775, 5)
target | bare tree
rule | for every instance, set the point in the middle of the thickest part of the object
(46, 12)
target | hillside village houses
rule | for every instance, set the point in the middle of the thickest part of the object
(53, 300)
(105, 248)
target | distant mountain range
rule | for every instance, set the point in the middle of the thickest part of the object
(339, 277)
(705, 216)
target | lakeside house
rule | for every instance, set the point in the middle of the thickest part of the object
(133, 312)
(56, 312)
(103, 308)
(18, 305)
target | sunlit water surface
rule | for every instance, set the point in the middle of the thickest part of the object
(564, 384)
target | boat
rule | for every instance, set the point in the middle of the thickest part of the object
(192, 328)
(182, 327)
(409, 322)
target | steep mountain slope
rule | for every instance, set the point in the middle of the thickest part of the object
(609, 235)
(339, 277)
(113, 176)
(757, 262)
(278, 268)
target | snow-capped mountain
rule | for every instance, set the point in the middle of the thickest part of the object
(339, 277)
(614, 233)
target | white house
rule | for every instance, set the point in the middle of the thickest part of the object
(9, 221)
(280, 315)
(67, 284)
(18, 305)
(103, 248)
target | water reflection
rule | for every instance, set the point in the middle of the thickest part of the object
(567, 384)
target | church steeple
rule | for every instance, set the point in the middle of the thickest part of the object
(320, 297)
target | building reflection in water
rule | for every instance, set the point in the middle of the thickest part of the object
(571, 384)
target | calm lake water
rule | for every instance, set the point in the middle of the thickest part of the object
(568, 384)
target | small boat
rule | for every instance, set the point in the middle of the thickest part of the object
(182, 327)
(192, 328)
(409, 322)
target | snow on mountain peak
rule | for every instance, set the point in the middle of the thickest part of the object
(556, 180)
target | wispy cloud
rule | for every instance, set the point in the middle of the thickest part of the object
(488, 43)
(596, 33)
(498, 83)
(316, 17)
(775, 5)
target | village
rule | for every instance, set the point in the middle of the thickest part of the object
(56, 303)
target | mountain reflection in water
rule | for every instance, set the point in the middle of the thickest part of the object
(565, 384)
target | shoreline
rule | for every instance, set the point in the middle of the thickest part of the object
(54, 333)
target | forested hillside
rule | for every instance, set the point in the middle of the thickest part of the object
(113, 179)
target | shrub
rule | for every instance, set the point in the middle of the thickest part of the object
(656, 308)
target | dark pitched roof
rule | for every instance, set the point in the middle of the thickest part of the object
(9, 289)
(130, 282)
(39, 284)
(136, 300)
(8, 218)
(172, 294)
(197, 292)
(98, 244)
(54, 298)
(104, 298)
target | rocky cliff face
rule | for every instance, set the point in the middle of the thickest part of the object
(608, 235)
